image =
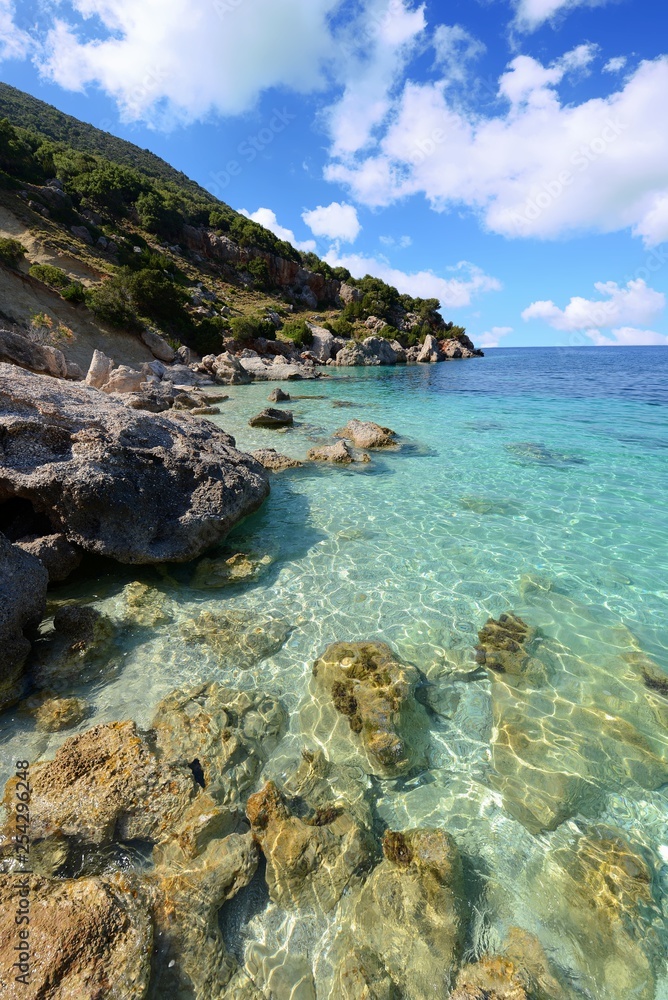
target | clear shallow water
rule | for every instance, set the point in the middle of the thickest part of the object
(531, 481)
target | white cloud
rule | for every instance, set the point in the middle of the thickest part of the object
(14, 42)
(628, 336)
(636, 303)
(335, 222)
(267, 218)
(167, 60)
(615, 65)
(530, 14)
(455, 48)
(454, 292)
(541, 169)
(402, 242)
(372, 52)
(492, 337)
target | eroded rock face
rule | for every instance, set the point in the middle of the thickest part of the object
(406, 928)
(117, 482)
(366, 694)
(366, 434)
(89, 938)
(381, 349)
(56, 714)
(309, 861)
(23, 583)
(57, 555)
(273, 461)
(18, 350)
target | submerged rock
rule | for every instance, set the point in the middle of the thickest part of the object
(339, 453)
(373, 695)
(272, 460)
(310, 862)
(242, 567)
(272, 418)
(366, 434)
(190, 957)
(89, 938)
(118, 482)
(145, 606)
(23, 583)
(240, 638)
(532, 452)
(81, 646)
(230, 734)
(278, 396)
(56, 714)
(504, 648)
(405, 931)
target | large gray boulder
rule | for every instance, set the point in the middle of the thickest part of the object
(23, 582)
(18, 350)
(431, 351)
(381, 349)
(137, 487)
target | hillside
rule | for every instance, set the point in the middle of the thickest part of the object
(112, 238)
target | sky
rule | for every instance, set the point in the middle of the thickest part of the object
(509, 157)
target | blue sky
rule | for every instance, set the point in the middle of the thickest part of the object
(507, 156)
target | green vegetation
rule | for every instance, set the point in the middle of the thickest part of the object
(55, 278)
(11, 251)
(298, 331)
(245, 328)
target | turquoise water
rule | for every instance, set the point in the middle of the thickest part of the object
(530, 481)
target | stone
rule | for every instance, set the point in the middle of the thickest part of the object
(158, 346)
(278, 396)
(505, 648)
(272, 460)
(373, 695)
(134, 487)
(106, 784)
(430, 351)
(225, 368)
(406, 928)
(272, 418)
(124, 379)
(339, 453)
(80, 648)
(322, 345)
(145, 606)
(381, 349)
(57, 555)
(242, 567)
(366, 434)
(239, 638)
(348, 294)
(310, 862)
(187, 894)
(82, 233)
(40, 358)
(23, 583)
(230, 734)
(56, 714)
(354, 355)
(89, 938)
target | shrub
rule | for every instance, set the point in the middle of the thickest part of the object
(11, 251)
(341, 327)
(388, 333)
(246, 328)
(112, 302)
(207, 336)
(259, 271)
(298, 331)
(45, 330)
(74, 292)
(52, 276)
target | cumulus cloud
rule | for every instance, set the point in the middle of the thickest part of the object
(173, 59)
(628, 336)
(467, 279)
(373, 52)
(530, 14)
(541, 169)
(634, 304)
(615, 65)
(492, 337)
(334, 222)
(14, 42)
(401, 242)
(267, 217)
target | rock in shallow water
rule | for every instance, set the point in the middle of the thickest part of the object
(274, 461)
(118, 482)
(366, 434)
(242, 567)
(364, 705)
(240, 638)
(272, 418)
(23, 583)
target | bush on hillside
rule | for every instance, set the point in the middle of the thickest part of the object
(298, 331)
(112, 302)
(245, 328)
(11, 251)
(54, 277)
